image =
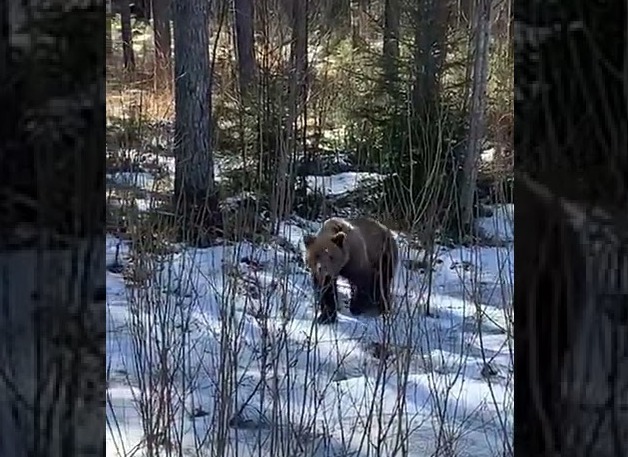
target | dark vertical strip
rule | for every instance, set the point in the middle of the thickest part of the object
(571, 137)
(52, 214)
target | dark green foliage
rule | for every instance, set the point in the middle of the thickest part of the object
(416, 152)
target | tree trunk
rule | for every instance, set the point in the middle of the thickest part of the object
(358, 20)
(245, 44)
(194, 171)
(5, 44)
(551, 266)
(431, 19)
(298, 55)
(41, 378)
(127, 35)
(141, 10)
(163, 45)
(52, 311)
(355, 24)
(283, 192)
(481, 28)
(392, 15)
(109, 29)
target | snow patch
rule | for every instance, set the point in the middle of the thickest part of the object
(341, 183)
(243, 316)
(500, 226)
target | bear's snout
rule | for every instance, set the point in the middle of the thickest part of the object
(321, 272)
(321, 275)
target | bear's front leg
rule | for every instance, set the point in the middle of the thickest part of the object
(327, 302)
(361, 299)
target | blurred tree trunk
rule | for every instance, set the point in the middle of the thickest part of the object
(358, 22)
(430, 33)
(245, 44)
(283, 191)
(355, 24)
(392, 15)
(552, 265)
(194, 185)
(109, 29)
(163, 45)
(142, 10)
(127, 35)
(468, 177)
(52, 312)
(298, 56)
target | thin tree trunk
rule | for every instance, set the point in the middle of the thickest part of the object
(194, 170)
(127, 36)
(109, 29)
(141, 10)
(392, 15)
(359, 23)
(282, 200)
(245, 44)
(5, 44)
(482, 18)
(358, 14)
(298, 54)
(163, 45)
(430, 30)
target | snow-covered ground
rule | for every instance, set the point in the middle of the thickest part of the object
(502, 226)
(215, 352)
(340, 183)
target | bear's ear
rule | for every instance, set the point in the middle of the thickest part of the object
(308, 240)
(339, 238)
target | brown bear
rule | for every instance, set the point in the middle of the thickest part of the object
(361, 250)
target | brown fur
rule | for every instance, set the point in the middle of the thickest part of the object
(364, 252)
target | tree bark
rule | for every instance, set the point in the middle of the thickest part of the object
(429, 51)
(109, 29)
(41, 378)
(392, 15)
(245, 44)
(127, 36)
(163, 45)
(552, 266)
(283, 192)
(358, 21)
(482, 19)
(52, 310)
(194, 170)
(141, 10)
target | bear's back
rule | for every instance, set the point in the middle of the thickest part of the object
(376, 238)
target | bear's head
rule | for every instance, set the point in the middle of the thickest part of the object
(326, 255)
